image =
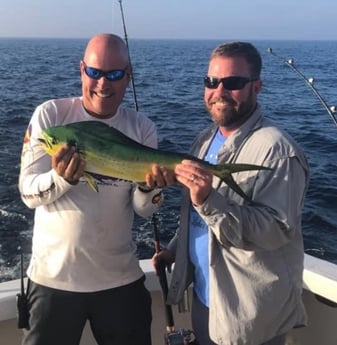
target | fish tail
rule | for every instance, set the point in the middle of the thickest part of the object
(236, 167)
(225, 171)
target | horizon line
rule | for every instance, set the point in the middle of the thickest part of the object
(176, 39)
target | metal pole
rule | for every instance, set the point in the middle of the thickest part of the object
(310, 81)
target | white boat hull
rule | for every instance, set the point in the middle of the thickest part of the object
(320, 277)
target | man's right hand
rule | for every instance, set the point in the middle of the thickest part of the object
(164, 257)
(68, 164)
(160, 177)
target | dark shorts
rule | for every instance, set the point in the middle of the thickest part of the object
(119, 316)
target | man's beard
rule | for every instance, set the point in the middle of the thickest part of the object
(233, 115)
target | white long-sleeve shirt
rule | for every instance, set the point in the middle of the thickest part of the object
(82, 239)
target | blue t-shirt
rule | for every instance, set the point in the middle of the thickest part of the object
(198, 234)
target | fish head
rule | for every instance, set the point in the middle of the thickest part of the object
(53, 138)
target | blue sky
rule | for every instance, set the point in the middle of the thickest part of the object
(206, 19)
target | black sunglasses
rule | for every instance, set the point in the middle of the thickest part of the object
(229, 83)
(94, 73)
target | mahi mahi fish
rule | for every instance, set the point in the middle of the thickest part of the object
(110, 153)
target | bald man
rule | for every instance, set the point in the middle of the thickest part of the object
(83, 265)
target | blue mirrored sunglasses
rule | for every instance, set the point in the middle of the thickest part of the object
(94, 73)
(229, 83)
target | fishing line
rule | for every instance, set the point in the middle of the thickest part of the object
(129, 57)
(310, 81)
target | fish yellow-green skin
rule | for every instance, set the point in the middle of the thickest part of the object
(108, 152)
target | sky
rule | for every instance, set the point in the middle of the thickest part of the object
(184, 19)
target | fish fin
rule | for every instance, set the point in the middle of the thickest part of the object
(105, 131)
(91, 181)
(233, 185)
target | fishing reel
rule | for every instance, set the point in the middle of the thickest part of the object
(181, 337)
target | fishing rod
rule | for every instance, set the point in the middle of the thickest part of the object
(172, 337)
(310, 81)
(129, 57)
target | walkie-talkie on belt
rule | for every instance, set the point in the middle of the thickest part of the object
(22, 303)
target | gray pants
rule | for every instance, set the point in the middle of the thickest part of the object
(200, 315)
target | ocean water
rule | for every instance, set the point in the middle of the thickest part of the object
(168, 77)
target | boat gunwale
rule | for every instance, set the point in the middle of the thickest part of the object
(319, 277)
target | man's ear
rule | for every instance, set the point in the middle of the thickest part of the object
(257, 86)
(129, 73)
